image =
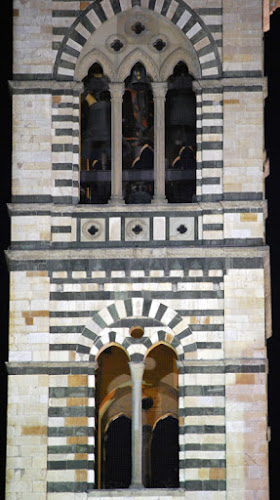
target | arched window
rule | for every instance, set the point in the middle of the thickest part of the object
(160, 416)
(165, 453)
(117, 453)
(136, 405)
(113, 419)
(138, 137)
(95, 137)
(134, 148)
(180, 136)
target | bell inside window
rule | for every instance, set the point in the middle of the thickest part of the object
(138, 137)
(95, 137)
(180, 137)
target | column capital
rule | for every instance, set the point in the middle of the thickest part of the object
(116, 89)
(159, 89)
(137, 369)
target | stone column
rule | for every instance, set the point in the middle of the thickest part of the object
(159, 92)
(136, 370)
(116, 91)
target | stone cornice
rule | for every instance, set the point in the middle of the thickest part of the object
(44, 86)
(135, 253)
(224, 83)
(51, 208)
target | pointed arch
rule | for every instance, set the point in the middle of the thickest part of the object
(137, 55)
(97, 332)
(178, 12)
(174, 58)
(96, 56)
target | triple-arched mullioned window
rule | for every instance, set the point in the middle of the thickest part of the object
(139, 116)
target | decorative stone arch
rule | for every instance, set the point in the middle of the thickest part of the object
(136, 349)
(95, 56)
(174, 58)
(178, 12)
(97, 333)
(137, 55)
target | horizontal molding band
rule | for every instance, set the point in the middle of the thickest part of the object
(239, 79)
(24, 261)
(237, 365)
(35, 84)
(188, 294)
(216, 241)
(123, 322)
(169, 210)
(50, 368)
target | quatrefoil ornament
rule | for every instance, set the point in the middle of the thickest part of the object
(137, 229)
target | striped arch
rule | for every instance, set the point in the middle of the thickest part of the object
(97, 333)
(99, 11)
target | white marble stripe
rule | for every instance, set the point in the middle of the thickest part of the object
(158, 5)
(120, 307)
(74, 45)
(65, 71)
(83, 31)
(193, 31)
(125, 5)
(137, 306)
(183, 19)
(106, 316)
(154, 308)
(94, 19)
(107, 7)
(171, 9)
(210, 71)
(207, 57)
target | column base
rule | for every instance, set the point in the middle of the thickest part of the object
(159, 200)
(136, 486)
(116, 200)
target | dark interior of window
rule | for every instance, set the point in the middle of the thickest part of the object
(160, 452)
(138, 137)
(180, 137)
(113, 419)
(164, 454)
(117, 453)
(95, 138)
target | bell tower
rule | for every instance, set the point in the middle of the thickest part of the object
(139, 272)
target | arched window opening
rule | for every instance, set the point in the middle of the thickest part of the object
(117, 453)
(95, 183)
(160, 398)
(113, 419)
(180, 137)
(164, 453)
(138, 137)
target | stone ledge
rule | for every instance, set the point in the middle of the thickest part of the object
(51, 208)
(155, 493)
(44, 85)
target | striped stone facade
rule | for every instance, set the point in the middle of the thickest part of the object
(195, 276)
